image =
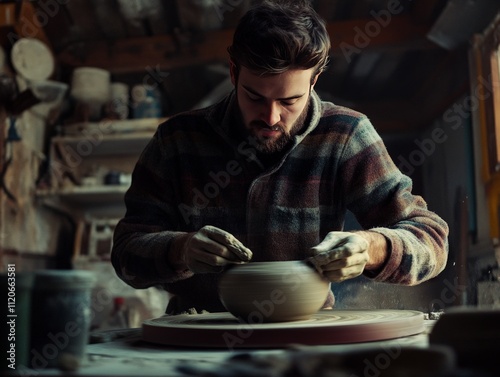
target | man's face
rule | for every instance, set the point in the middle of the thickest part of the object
(273, 107)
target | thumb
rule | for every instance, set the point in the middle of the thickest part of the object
(332, 240)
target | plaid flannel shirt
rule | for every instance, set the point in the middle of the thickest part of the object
(194, 173)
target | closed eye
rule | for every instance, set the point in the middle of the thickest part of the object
(254, 98)
(288, 103)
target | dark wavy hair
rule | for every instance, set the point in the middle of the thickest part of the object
(274, 37)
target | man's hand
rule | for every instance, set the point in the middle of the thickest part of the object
(208, 250)
(345, 255)
(340, 256)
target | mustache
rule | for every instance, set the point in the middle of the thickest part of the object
(261, 124)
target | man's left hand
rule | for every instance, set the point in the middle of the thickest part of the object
(340, 256)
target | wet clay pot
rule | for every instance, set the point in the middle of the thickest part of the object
(278, 291)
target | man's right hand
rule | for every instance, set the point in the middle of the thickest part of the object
(208, 250)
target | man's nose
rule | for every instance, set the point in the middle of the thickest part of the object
(270, 113)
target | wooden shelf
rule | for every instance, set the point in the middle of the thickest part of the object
(103, 145)
(109, 126)
(85, 195)
(109, 145)
(108, 137)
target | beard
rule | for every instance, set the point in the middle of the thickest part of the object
(268, 145)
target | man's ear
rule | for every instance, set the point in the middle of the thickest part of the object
(233, 71)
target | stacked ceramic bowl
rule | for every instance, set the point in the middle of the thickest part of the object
(92, 87)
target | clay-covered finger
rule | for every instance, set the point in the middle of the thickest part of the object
(331, 241)
(241, 251)
(226, 239)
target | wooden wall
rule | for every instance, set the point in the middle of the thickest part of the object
(30, 233)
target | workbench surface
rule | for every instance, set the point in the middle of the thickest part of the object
(128, 355)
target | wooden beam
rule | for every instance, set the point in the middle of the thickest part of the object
(137, 54)
(168, 52)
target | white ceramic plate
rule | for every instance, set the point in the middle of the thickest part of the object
(32, 59)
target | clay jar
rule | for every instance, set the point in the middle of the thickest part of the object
(277, 291)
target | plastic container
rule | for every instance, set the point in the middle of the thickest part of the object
(118, 317)
(60, 318)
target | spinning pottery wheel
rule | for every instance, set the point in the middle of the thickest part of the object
(223, 330)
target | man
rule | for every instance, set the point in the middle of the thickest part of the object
(268, 174)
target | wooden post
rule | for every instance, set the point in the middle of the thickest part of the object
(484, 68)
